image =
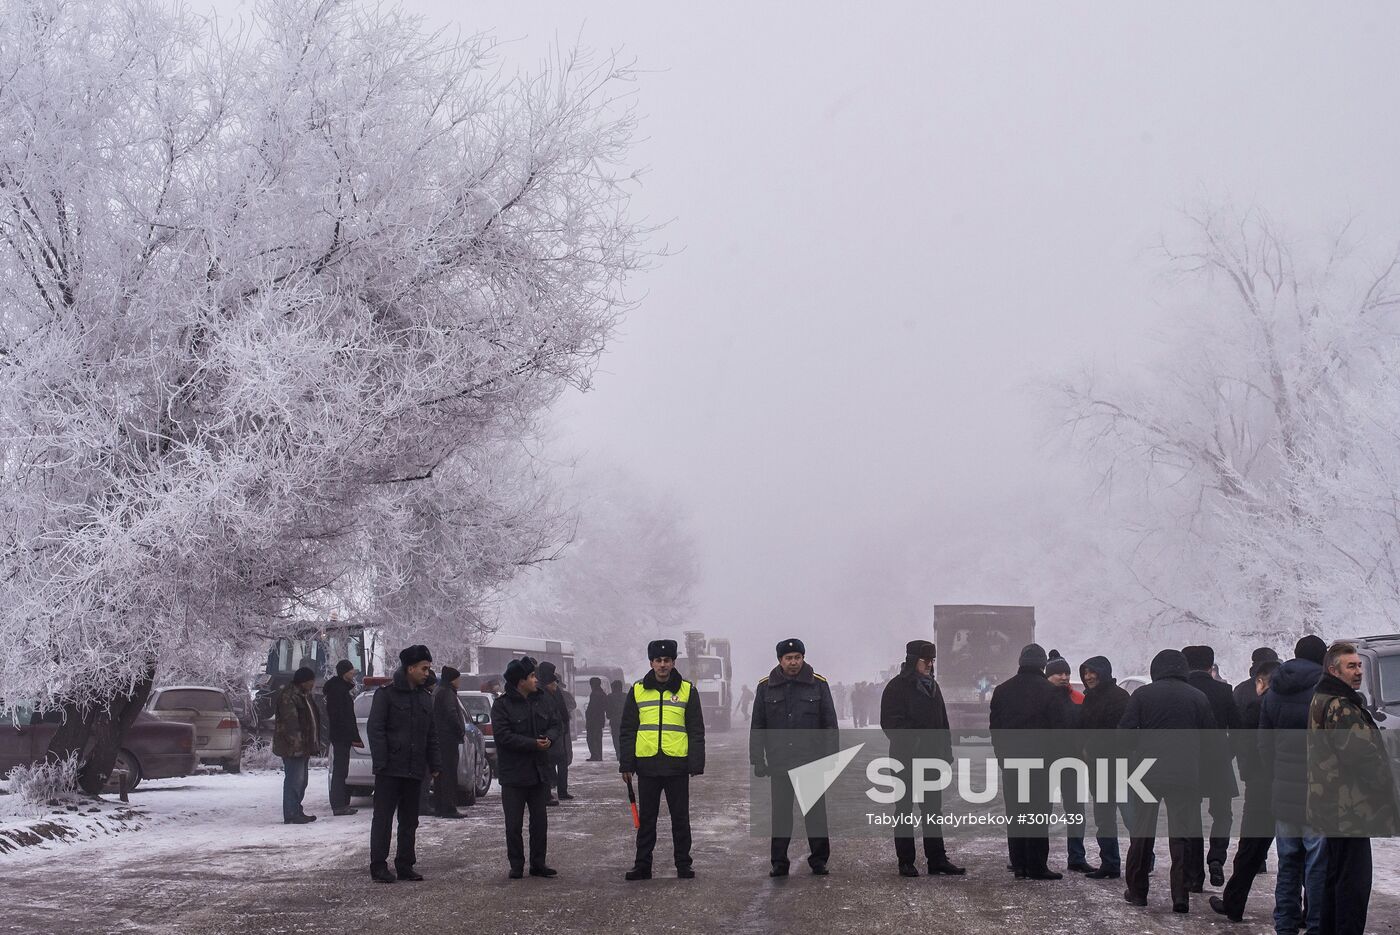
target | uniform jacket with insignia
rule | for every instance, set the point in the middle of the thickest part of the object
(794, 719)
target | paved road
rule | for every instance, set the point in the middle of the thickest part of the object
(231, 888)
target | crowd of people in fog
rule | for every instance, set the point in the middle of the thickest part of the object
(1315, 773)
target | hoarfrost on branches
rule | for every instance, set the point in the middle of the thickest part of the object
(278, 310)
(1255, 461)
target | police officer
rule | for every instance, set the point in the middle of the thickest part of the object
(662, 741)
(794, 722)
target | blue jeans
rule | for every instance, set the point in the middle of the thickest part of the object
(1302, 871)
(294, 774)
(1106, 828)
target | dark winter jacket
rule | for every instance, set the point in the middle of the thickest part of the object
(449, 720)
(1105, 703)
(1099, 715)
(296, 732)
(1163, 721)
(564, 707)
(661, 764)
(1351, 791)
(517, 722)
(915, 720)
(793, 721)
(402, 741)
(1217, 772)
(1245, 695)
(340, 711)
(616, 702)
(597, 714)
(1283, 739)
(1245, 741)
(1025, 704)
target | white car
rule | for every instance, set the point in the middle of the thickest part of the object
(218, 733)
(473, 768)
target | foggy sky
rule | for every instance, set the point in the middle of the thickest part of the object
(888, 223)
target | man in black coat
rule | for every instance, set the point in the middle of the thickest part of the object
(403, 746)
(1218, 776)
(1257, 821)
(1022, 707)
(525, 728)
(595, 718)
(1166, 720)
(1244, 693)
(915, 719)
(793, 722)
(560, 754)
(450, 723)
(1104, 704)
(617, 700)
(1283, 763)
(663, 742)
(344, 732)
(1057, 673)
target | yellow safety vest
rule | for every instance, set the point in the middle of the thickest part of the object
(661, 721)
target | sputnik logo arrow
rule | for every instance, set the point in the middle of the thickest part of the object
(811, 780)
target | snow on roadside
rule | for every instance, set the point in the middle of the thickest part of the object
(170, 814)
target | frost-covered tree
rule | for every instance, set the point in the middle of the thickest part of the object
(277, 308)
(1232, 456)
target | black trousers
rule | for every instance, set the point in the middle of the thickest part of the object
(340, 768)
(595, 741)
(677, 792)
(1250, 853)
(932, 805)
(514, 800)
(1027, 835)
(1221, 821)
(1183, 823)
(559, 776)
(780, 787)
(1347, 894)
(445, 788)
(394, 794)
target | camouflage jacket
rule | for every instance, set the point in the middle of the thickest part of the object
(1351, 791)
(296, 732)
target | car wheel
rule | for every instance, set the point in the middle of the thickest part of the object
(234, 765)
(483, 777)
(126, 760)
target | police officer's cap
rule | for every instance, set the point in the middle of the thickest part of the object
(793, 645)
(656, 649)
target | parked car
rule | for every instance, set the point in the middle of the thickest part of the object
(478, 705)
(218, 733)
(1380, 676)
(152, 749)
(473, 768)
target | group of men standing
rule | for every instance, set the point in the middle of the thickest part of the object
(1314, 768)
(1313, 763)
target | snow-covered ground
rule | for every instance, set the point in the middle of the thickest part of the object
(213, 806)
(209, 855)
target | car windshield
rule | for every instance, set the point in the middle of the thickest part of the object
(476, 704)
(1388, 672)
(362, 703)
(198, 699)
